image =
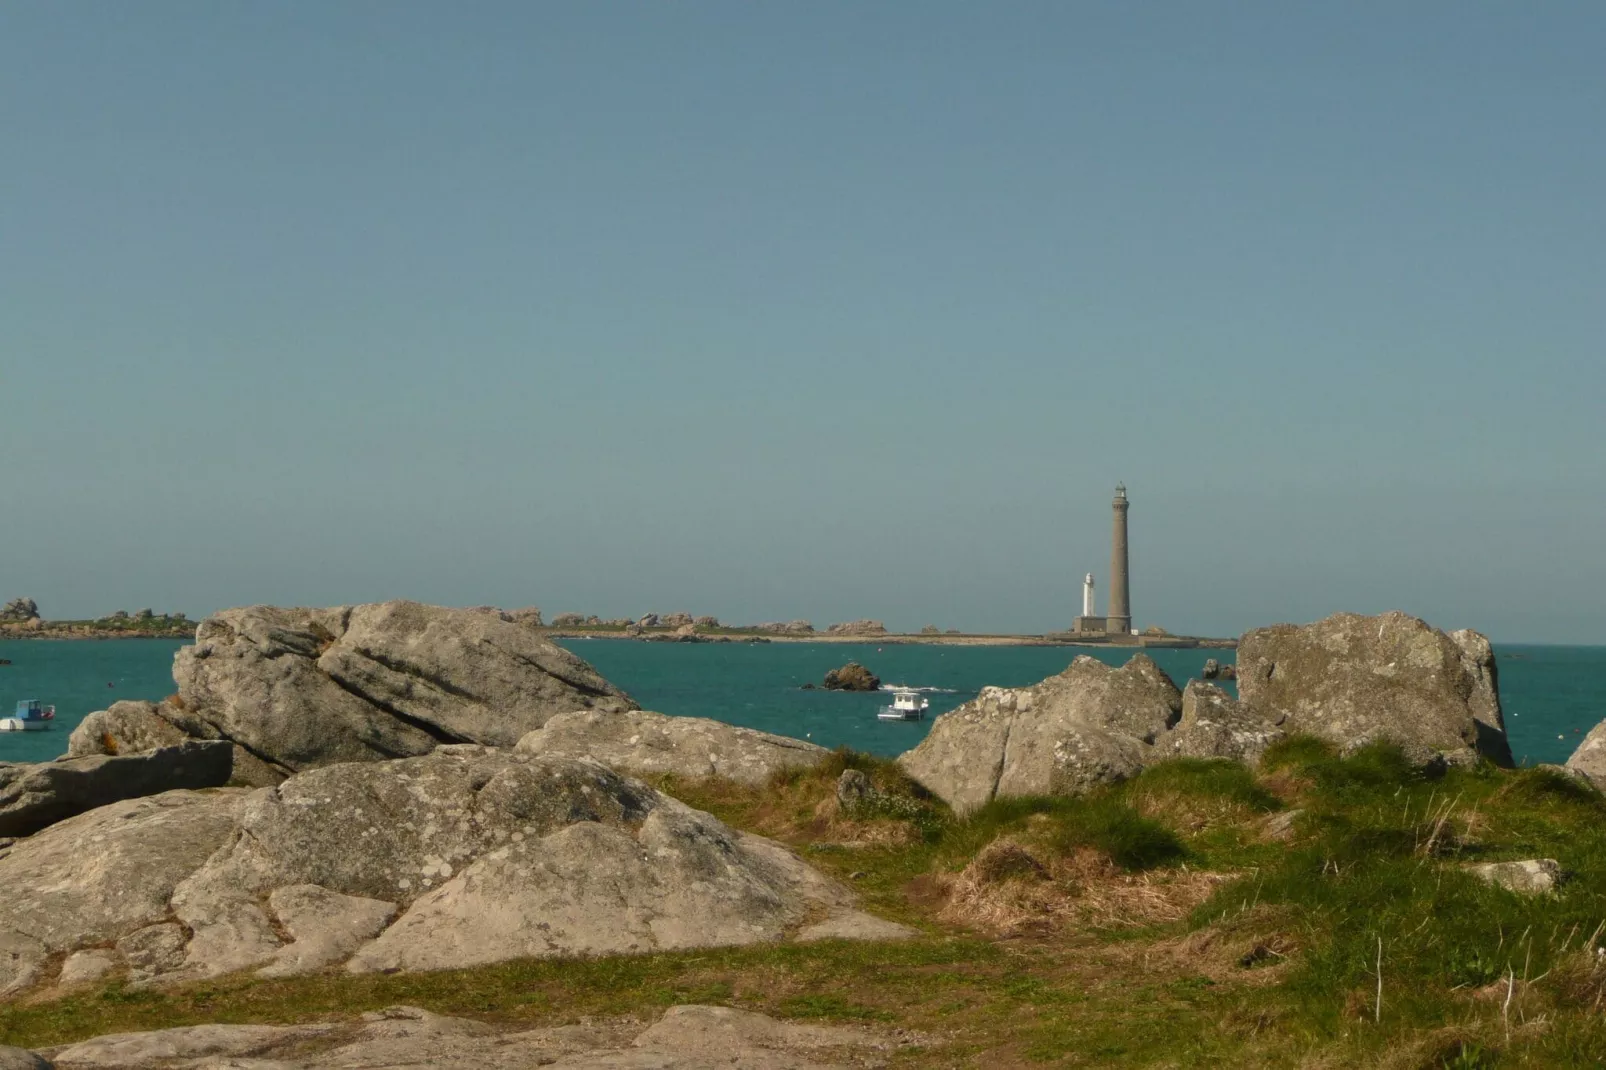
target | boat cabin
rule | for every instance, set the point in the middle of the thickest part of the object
(909, 700)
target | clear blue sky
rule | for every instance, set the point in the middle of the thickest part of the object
(814, 309)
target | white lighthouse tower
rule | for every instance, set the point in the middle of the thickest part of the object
(1087, 596)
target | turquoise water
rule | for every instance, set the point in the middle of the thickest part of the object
(759, 685)
(1547, 691)
(73, 675)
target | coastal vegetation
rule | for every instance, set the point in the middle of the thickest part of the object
(1313, 910)
(20, 618)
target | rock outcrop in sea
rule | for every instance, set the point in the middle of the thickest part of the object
(1348, 679)
(852, 677)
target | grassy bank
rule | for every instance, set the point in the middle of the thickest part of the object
(1316, 912)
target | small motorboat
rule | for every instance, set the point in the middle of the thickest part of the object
(32, 716)
(907, 705)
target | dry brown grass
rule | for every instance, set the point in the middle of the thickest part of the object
(831, 826)
(1255, 946)
(1579, 980)
(800, 807)
(794, 812)
(1012, 888)
(1287, 785)
(1191, 814)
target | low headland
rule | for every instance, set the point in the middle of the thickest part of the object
(401, 835)
(20, 619)
(684, 628)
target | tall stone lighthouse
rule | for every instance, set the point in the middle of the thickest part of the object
(1119, 618)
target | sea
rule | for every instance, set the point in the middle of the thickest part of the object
(1551, 694)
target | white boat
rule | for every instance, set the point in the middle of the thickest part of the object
(32, 716)
(907, 705)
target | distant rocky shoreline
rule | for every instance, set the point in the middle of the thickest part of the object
(683, 627)
(20, 619)
(907, 639)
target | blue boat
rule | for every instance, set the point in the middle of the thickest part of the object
(32, 716)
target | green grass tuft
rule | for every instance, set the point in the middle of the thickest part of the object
(1296, 751)
(1209, 778)
(1111, 826)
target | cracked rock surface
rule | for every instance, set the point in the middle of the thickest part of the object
(296, 689)
(1353, 680)
(1092, 724)
(464, 856)
(97, 878)
(1348, 679)
(1216, 725)
(36, 795)
(641, 742)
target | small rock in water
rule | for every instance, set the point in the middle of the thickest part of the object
(852, 677)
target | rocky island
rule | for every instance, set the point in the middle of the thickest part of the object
(397, 835)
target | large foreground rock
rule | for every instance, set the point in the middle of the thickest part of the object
(302, 688)
(105, 876)
(1091, 724)
(464, 856)
(644, 743)
(1353, 680)
(35, 796)
(406, 1038)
